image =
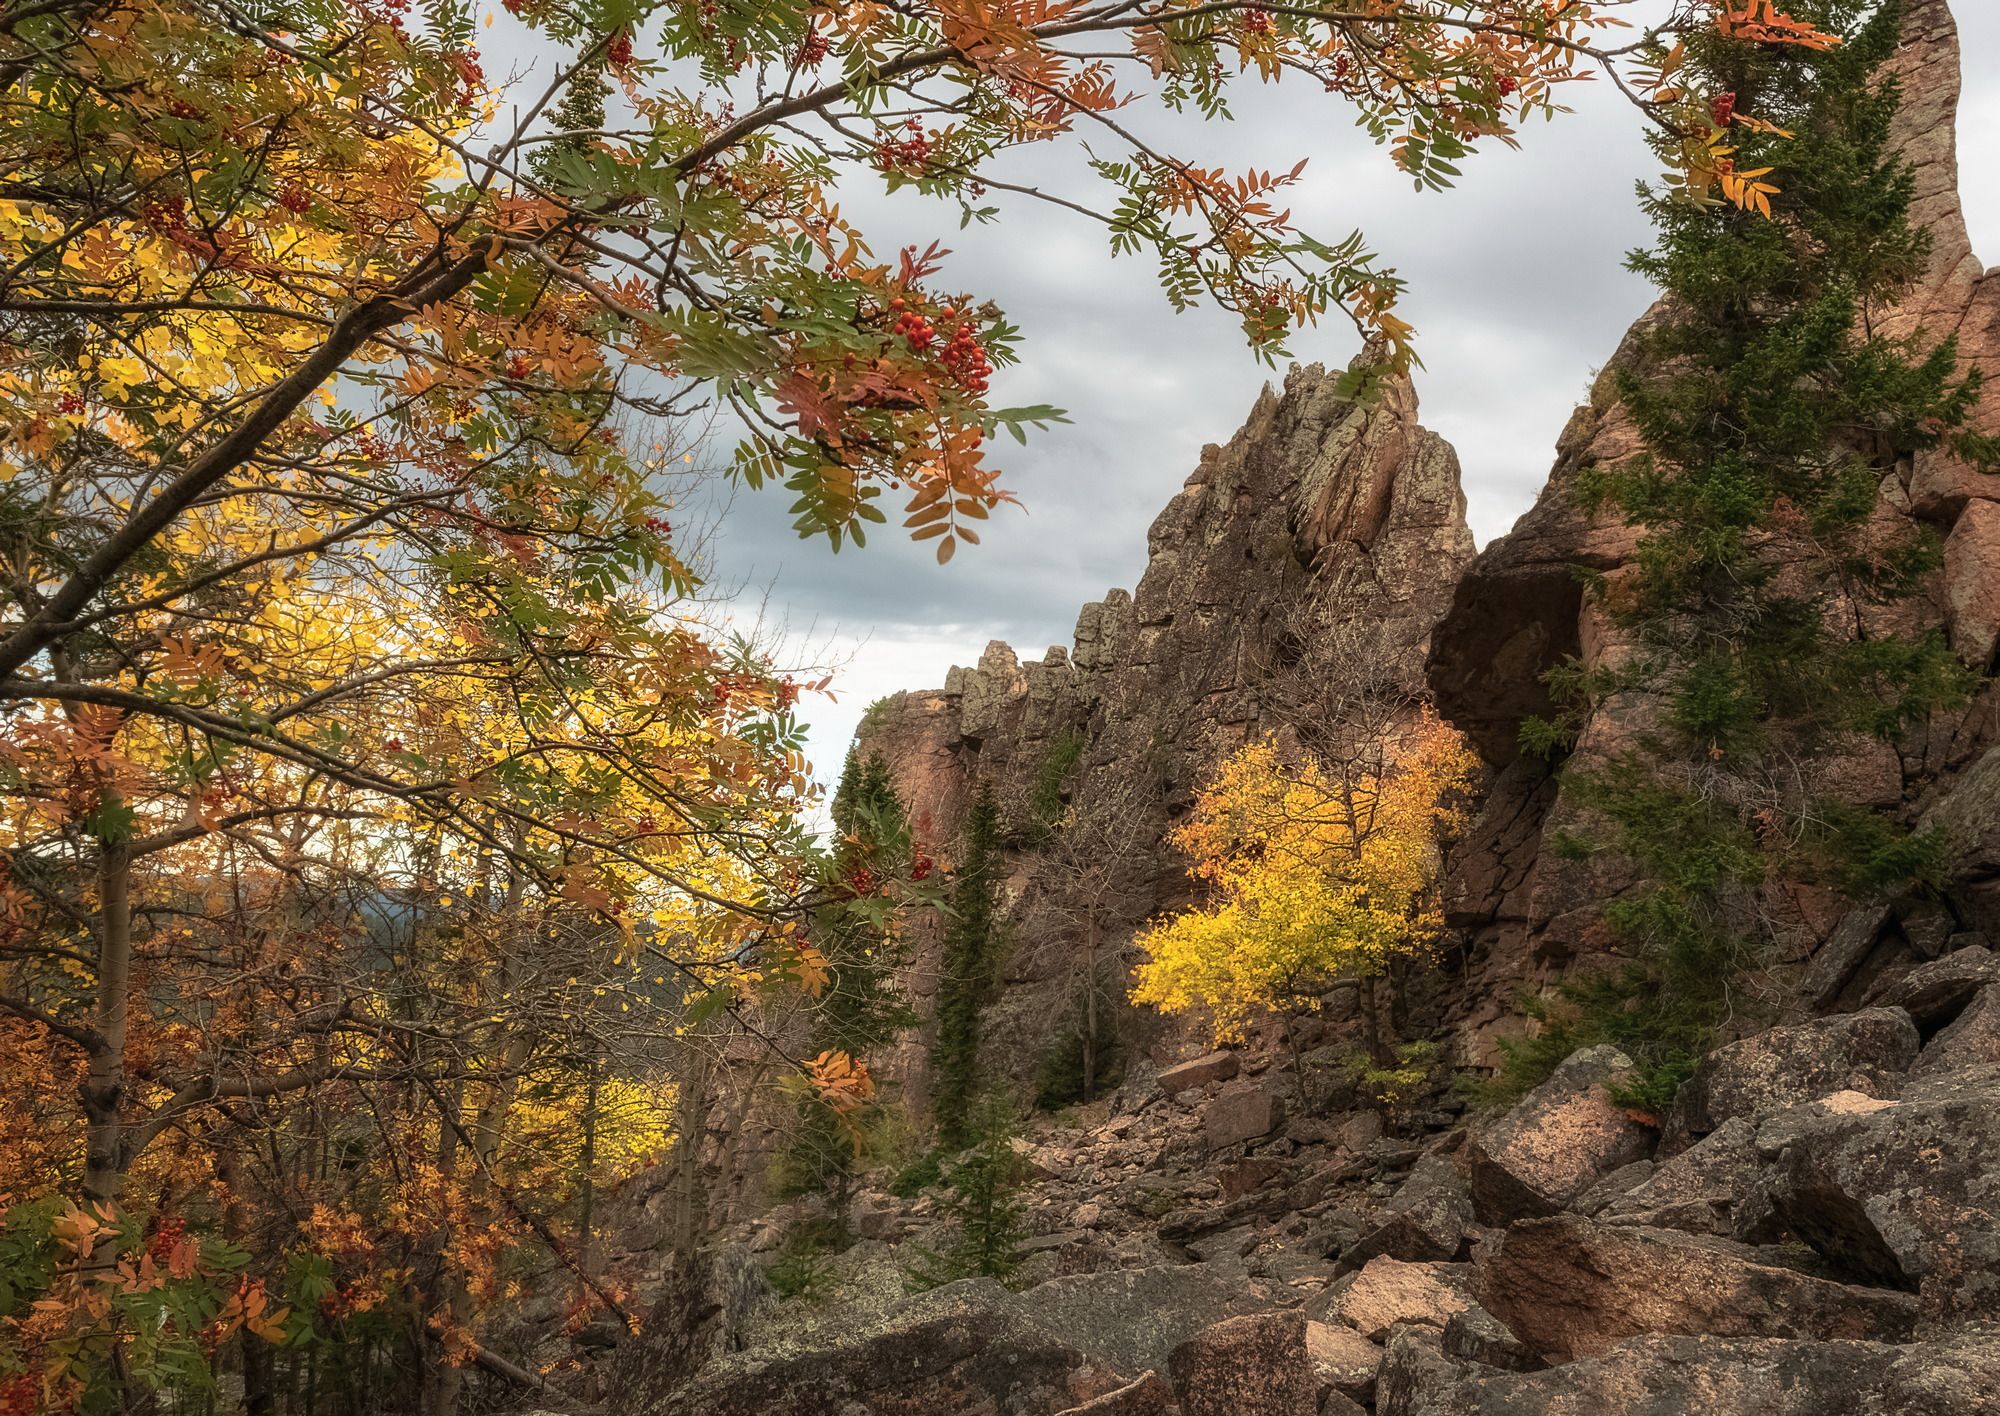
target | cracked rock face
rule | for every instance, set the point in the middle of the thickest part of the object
(1866, 1052)
(1570, 1287)
(1315, 498)
(1321, 518)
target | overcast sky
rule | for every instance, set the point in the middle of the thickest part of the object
(1517, 291)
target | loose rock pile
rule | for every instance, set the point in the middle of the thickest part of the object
(1815, 1230)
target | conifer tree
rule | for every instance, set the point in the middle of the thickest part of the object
(857, 929)
(1761, 605)
(967, 975)
(981, 1197)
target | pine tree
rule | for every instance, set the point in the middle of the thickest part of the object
(981, 1199)
(841, 809)
(857, 929)
(967, 974)
(1770, 413)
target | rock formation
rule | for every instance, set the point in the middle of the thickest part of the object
(1519, 610)
(1324, 528)
(1316, 502)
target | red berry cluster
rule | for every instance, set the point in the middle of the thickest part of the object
(341, 1302)
(861, 880)
(921, 864)
(471, 77)
(391, 13)
(1267, 317)
(21, 1395)
(658, 525)
(71, 402)
(295, 199)
(913, 151)
(619, 52)
(965, 356)
(1508, 83)
(166, 1239)
(962, 354)
(518, 368)
(1257, 21)
(912, 326)
(1723, 109)
(813, 50)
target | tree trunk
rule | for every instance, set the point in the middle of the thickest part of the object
(682, 1316)
(1371, 1017)
(1090, 1006)
(1308, 1094)
(586, 1163)
(259, 1359)
(104, 1087)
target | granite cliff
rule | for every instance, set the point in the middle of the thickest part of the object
(1321, 542)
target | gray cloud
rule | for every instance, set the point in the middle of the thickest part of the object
(1517, 290)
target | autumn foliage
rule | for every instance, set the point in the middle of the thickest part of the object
(1319, 877)
(395, 844)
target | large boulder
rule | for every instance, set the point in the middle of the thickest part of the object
(1607, 1190)
(1477, 1336)
(1429, 1220)
(1388, 1292)
(1342, 1360)
(1132, 1319)
(1907, 1194)
(1839, 965)
(1972, 1039)
(1701, 1190)
(1712, 1376)
(1570, 1287)
(1242, 1113)
(1783, 1067)
(1214, 1067)
(1968, 818)
(970, 1346)
(1250, 1366)
(1417, 1374)
(965, 1347)
(1935, 993)
(1556, 1142)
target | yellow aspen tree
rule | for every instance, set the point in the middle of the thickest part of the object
(1319, 877)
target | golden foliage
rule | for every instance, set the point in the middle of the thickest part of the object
(1319, 875)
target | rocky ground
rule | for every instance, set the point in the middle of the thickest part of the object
(1814, 1230)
